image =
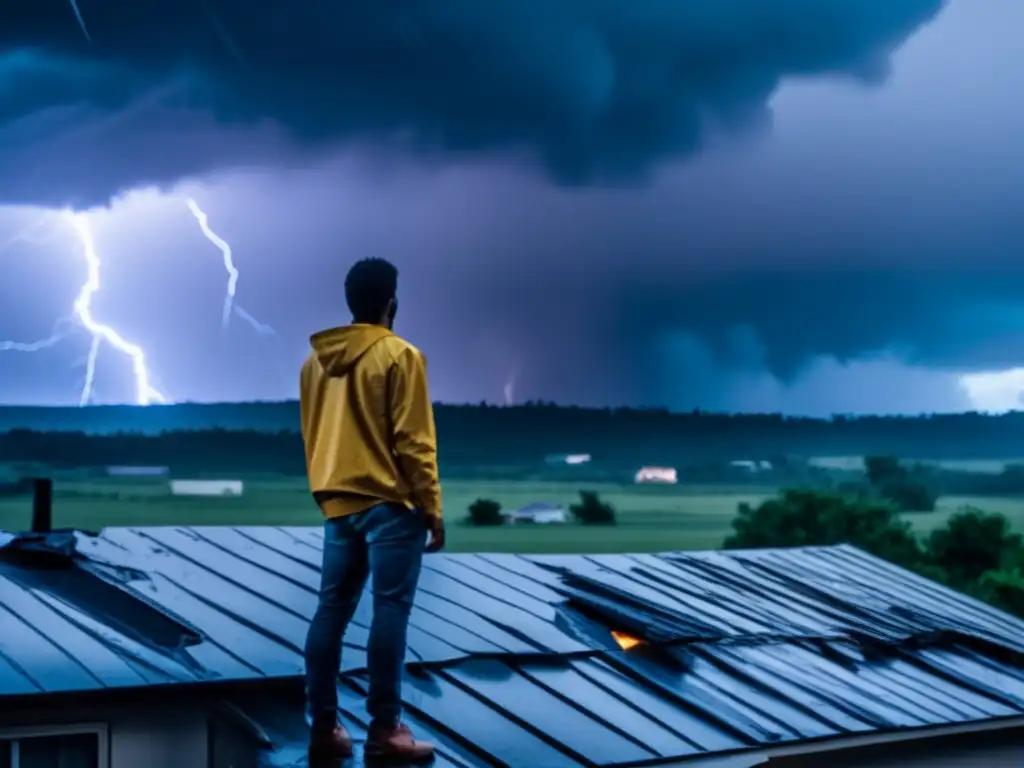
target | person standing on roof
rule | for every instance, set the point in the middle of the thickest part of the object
(371, 458)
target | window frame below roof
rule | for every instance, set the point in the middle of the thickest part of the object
(100, 730)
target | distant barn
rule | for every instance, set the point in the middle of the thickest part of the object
(541, 514)
(657, 475)
(130, 471)
(746, 465)
(571, 459)
(206, 487)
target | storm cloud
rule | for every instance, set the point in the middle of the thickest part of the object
(591, 91)
(557, 181)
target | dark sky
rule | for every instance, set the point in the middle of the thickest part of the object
(811, 206)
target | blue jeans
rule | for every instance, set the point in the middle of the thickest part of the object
(385, 542)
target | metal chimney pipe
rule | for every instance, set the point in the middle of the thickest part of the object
(42, 505)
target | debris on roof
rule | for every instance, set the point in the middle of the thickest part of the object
(539, 660)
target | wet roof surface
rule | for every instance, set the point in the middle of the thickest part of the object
(511, 658)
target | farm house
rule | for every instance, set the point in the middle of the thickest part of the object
(206, 487)
(540, 513)
(571, 459)
(747, 465)
(657, 475)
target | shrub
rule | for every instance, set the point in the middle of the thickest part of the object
(592, 511)
(801, 518)
(910, 496)
(972, 543)
(903, 487)
(485, 512)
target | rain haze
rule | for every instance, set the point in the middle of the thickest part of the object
(805, 206)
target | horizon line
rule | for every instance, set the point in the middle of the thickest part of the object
(528, 404)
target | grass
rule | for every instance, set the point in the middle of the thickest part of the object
(650, 518)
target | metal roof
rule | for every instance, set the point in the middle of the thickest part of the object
(511, 658)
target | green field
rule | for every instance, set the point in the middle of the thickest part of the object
(650, 518)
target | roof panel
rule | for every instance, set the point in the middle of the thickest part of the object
(441, 573)
(467, 719)
(28, 656)
(509, 614)
(57, 651)
(963, 702)
(769, 606)
(235, 541)
(570, 725)
(684, 721)
(866, 589)
(1001, 682)
(516, 660)
(522, 566)
(604, 705)
(284, 594)
(771, 712)
(15, 680)
(147, 663)
(284, 543)
(263, 637)
(758, 667)
(674, 683)
(840, 683)
(477, 567)
(441, 610)
(450, 752)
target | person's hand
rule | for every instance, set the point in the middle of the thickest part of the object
(435, 527)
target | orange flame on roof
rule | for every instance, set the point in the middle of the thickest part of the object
(626, 641)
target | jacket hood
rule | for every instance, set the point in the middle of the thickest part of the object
(338, 349)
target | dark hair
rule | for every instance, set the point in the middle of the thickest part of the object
(369, 286)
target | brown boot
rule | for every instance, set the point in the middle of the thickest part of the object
(397, 744)
(329, 741)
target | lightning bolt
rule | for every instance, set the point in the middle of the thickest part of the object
(80, 19)
(509, 389)
(103, 334)
(82, 314)
(229, 265)
(31, 346)
(145, 394)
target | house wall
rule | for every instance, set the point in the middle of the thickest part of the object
(164, 734)
(158, 737)
(229, 746)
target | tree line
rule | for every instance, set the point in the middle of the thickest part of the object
(265, 435)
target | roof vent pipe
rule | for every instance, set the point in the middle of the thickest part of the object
(42, 505)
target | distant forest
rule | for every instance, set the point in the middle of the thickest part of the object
(264, 436)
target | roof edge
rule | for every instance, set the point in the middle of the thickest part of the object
(757, 756)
